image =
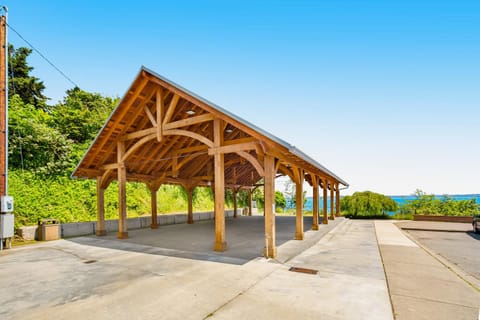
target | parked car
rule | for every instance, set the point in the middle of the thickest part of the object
(476, 223)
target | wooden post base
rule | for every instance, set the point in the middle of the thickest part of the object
(338, 215)
(325, 221)
(299, 236)
(315, 227)
(154, 226)
(100, 233)
(272, 252)
(331, 218)
(220, 246)
(122, 235)
(190, 221)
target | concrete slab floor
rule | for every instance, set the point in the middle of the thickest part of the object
(92, 278)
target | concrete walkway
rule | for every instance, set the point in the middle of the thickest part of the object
(350, 283)
(91, 278)
(420, 286)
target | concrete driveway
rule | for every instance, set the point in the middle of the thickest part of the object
(154, 275)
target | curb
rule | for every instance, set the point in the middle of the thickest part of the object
(435, 230)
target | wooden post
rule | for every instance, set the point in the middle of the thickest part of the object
(219, 173)
(315, 203)
(153, 206)
(100, 229)
(214, 207)
(332, 206)
(325, 217)
(190, 205)
(3, 106)
(122, 192)
(299, 206)
(250, 191)
(235, 202)
(337, 201)
(270, 250)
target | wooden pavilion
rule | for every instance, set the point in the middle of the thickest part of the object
(161, 133)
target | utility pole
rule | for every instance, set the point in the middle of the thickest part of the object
(6, 202)
(3, 105)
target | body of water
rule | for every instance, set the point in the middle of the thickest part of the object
(398, 199)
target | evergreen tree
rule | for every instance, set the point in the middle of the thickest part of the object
(21, 82)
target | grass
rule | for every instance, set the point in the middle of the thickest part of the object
(17, 241)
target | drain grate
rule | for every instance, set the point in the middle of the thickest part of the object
(89, 261)
(303, 270)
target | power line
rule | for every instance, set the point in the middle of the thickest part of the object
(41, 55)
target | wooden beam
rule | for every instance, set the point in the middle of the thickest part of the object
(185, 160)
(220, 240)
(253, 161)
(332, 206)
(122, 192)
(239, 140)
(100, 228)
(150, 116)
(325, 187)
(270, 249)
(191, 149)
(171, 109)
(315, 203)
(174, 167)
(189, 134)
(88, 173)
(250, 191)
(137, 145)
(246, 146)
(299, 205)
(189, 121)
(138, 134)
(337, 201)
(159, 111)
(118, 117)
(235, 191)
(190, 205)
(153, 205)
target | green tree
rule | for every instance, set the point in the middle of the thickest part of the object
(21, 82)
(428, 204)
(82, 114)
(33, 145)
(280, 201)
(368, 203)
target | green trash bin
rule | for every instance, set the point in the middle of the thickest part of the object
(49, 229)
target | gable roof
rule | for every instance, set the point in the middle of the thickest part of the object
(178, 152)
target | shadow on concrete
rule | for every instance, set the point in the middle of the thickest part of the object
(474, 235)
(245, 238)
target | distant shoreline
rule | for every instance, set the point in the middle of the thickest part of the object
(400, 200)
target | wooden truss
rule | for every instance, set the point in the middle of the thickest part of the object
(162, 134)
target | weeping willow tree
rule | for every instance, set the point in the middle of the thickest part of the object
(367, 203)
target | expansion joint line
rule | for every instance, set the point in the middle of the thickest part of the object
(240, 293)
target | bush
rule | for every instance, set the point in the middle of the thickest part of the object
(446, 206)
(37, 197)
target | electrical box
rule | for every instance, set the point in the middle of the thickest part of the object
(6, 204)
(6, 225)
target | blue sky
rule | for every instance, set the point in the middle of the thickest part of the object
(384, 93)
